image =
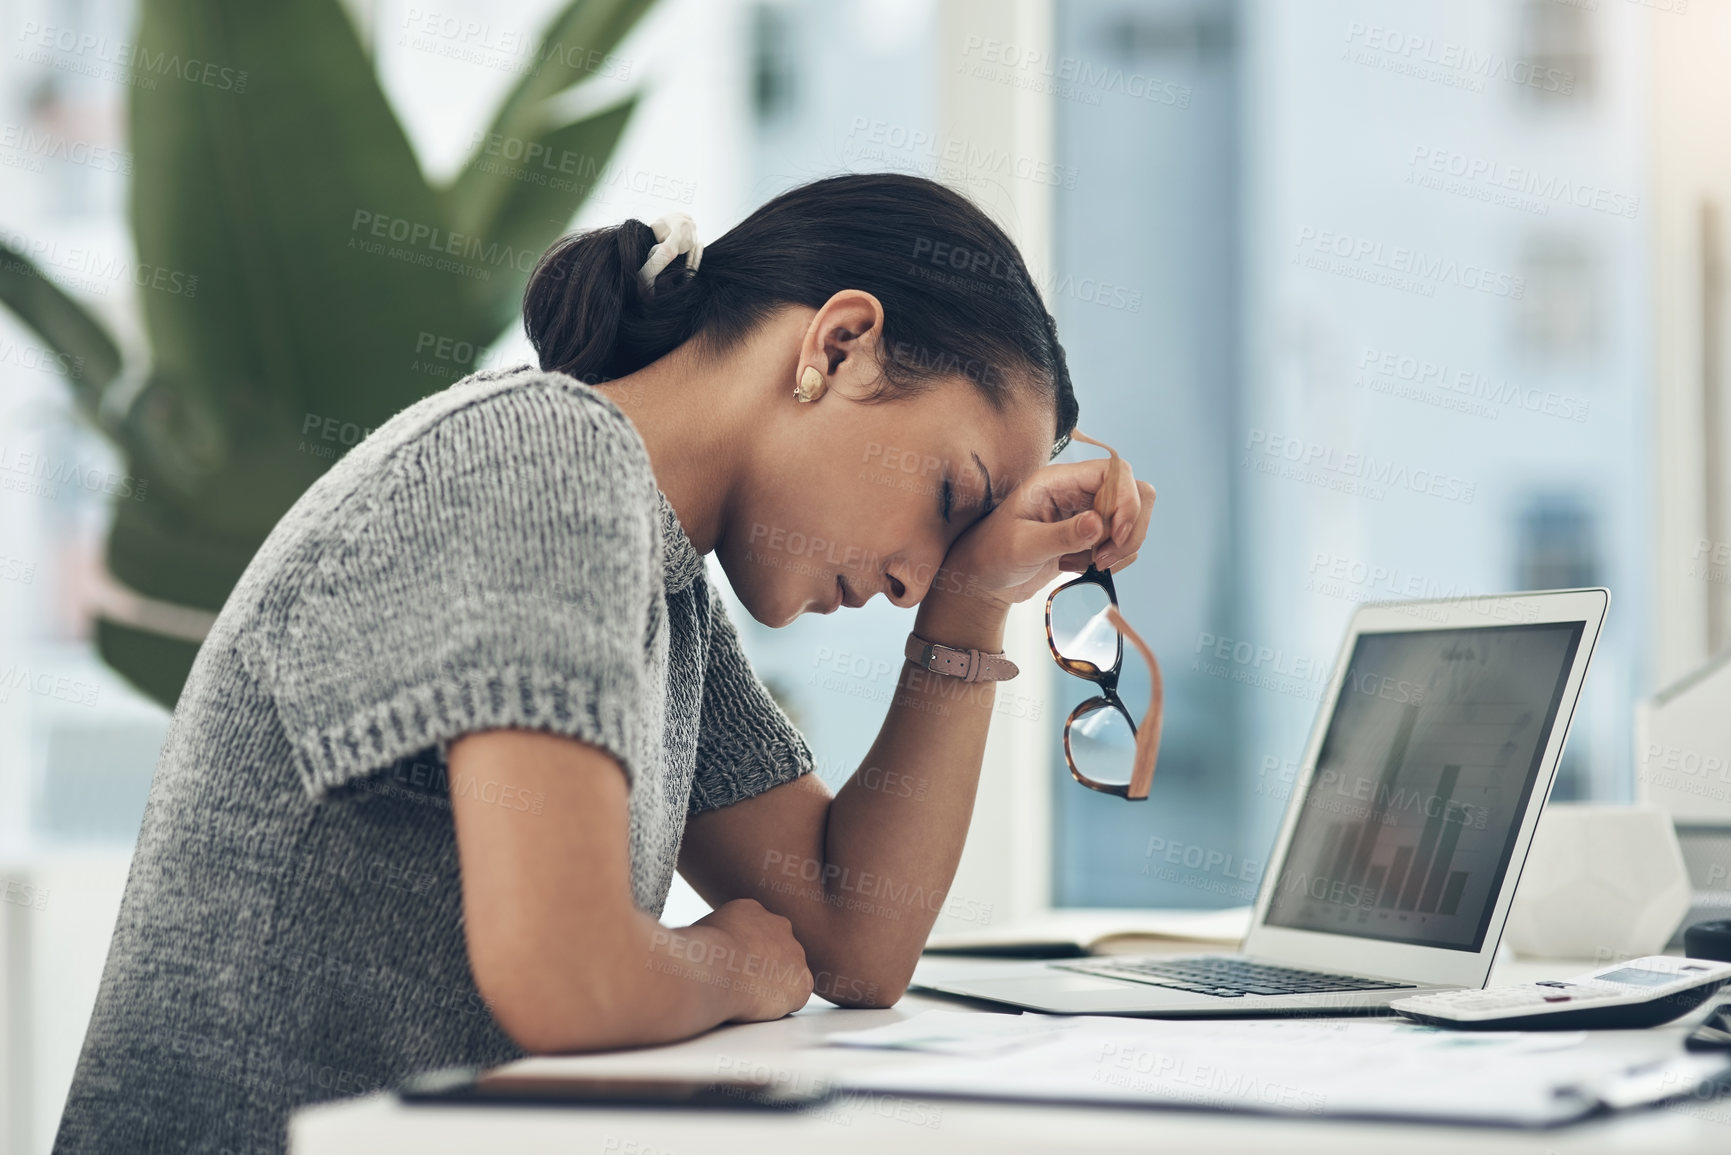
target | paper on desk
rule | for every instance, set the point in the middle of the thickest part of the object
(958, 1033)
(1291, 1066)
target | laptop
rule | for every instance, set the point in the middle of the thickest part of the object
(1403, 840)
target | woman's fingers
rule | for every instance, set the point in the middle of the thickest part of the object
(1066, 517)
(1126, 499)
(1123, 547)
(1062, 490)
(1129, 505)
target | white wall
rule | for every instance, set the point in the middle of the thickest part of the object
(1691, 167)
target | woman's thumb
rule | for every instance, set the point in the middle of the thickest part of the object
(1050, 539)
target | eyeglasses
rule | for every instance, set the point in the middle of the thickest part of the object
(1105, 748)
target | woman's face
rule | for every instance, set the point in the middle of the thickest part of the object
(848, 498)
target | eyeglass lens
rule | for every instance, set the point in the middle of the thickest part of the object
(1103, 745)
(1080, 631)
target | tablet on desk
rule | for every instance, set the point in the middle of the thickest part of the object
(468, 1086)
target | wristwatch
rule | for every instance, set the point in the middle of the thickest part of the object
(968, 665)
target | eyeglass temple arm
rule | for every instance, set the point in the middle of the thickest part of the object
(1106, 500)
(1148, 733)
(1078, 435)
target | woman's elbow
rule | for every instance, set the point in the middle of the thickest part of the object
(868, 997)
(544, 1019)
(866, 989)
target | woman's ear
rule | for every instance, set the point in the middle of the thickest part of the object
(842, 343)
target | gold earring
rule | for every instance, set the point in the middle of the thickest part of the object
(811, 385)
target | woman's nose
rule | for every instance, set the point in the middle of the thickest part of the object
(906, 582)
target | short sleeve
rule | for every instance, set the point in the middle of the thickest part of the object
(497, 572)
(746, 744)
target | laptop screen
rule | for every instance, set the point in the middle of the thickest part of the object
(1407, 828)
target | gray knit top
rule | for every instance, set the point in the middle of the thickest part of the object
(495, 555)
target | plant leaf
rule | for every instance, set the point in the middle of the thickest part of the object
(93, 359)
(537, 201)
(285, 185)
(575, 47)
(156, 666)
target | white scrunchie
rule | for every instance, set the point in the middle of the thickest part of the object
(677, 234)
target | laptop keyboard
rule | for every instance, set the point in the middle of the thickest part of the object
(1227, 978)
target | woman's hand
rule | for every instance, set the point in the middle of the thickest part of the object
(1047, 525)
(765, 962)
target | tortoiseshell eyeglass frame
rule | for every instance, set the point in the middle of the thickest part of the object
(1147, 734)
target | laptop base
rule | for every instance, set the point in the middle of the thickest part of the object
(1038, 986)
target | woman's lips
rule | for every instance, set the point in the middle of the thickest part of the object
(844, 596)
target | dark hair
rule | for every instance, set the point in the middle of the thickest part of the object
(958, 299)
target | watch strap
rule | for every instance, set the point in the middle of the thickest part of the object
(968, 665)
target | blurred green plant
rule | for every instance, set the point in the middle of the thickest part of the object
(294, 198)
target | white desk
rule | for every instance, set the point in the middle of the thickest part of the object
(792, 1047)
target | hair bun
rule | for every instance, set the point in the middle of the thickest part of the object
(588, 313)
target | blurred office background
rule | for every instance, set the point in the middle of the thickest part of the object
(1387, 301)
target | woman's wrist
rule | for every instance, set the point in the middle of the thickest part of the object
(957, 613)
(690, 955)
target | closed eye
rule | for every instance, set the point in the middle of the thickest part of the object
(947, 495)
(987, 505)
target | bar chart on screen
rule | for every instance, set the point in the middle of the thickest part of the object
(1407, 827)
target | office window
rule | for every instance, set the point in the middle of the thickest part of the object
(1136, 34)
(1558, 314)
(773, 74)
(1556, 44)
(1555, 548)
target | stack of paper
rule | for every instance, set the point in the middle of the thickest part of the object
(1375, 1069)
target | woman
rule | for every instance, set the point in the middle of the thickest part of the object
(475, 699)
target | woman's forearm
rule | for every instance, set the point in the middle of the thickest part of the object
(649, 984)
(895, 830)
